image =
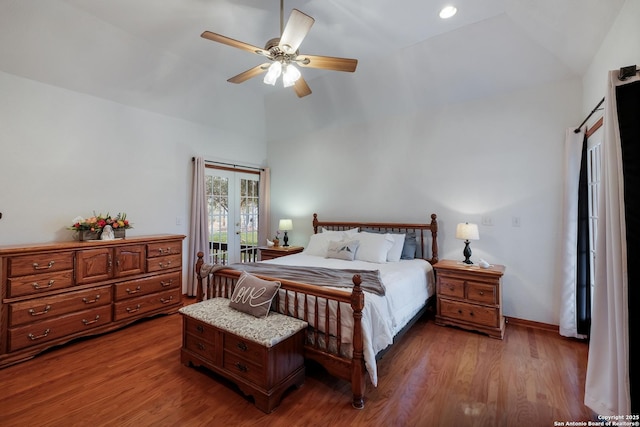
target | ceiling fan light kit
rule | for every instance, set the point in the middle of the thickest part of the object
(283, 52)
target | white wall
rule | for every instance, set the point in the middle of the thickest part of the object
(64, 154)
(496, 157)
(620, 48)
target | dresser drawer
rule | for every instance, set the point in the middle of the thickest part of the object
(244, 368)
(482, 293)
(470, 313)
(199, 329)
(245, 349)
(164, 248)
(43, 308)
(148, 285)
(451, 286)
(203, 348)
(164, 263)
(39, 283)
(39, 263)
(49, 330)
(135, 307)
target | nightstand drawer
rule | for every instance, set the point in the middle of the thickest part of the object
(483, 293)
(450, 286)
(470, 313)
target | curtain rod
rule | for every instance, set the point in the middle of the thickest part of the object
(623, 74)
(193, 159)
(589, 116)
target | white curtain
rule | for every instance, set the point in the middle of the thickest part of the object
(607, 383)
(572, 158)
(198, 229)
(264, 218)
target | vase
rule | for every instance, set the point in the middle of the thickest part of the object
(84, 235)
(119, 233)
(276, 243)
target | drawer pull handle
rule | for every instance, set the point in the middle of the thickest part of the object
(133, 310)
(135, 291)
(38, 313)
(199, 328)
(471, 313)
(36, 266)
(451, 288)
(37, 286)
(481, 293)
(459, 311)
(166, 300)
(91, 301)
(200, 346)
(165, 265)
(164, 251)
(88, 322)
(241, 367)
(166, 284)
(242, 346)
(37, 337)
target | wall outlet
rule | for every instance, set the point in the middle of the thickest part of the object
(487, 220)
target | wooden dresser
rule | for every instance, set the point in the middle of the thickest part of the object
(470, 297)
(54, 292)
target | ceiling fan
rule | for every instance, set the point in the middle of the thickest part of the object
(284, 55)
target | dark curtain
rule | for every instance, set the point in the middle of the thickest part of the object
(583, 265)
(628, 105)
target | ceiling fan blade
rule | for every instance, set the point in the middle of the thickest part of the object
(244, 76)
(234, 43)
(301, 87)
(295, 31)
(327, 62)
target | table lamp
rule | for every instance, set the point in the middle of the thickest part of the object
(285, 225)
(466, 232)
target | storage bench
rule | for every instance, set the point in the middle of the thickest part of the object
(262, 356)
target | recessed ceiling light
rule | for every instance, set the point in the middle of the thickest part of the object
(448, 12)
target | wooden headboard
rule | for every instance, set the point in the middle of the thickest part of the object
(423, 232)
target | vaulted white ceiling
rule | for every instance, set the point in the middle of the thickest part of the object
(149, 53)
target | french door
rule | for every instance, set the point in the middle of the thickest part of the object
(232, 208)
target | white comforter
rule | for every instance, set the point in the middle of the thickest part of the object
(408, 284)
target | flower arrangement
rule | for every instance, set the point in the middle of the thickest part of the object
(97, 222)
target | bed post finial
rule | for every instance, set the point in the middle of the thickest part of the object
(434, 239)
(358, 369)
(315, 223)
(199, 290)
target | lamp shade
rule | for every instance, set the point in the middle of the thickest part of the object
(466, 231)
(285, 224)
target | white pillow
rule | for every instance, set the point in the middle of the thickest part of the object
(346, 233)
(395, 252)
(374, 247)
(319, 244)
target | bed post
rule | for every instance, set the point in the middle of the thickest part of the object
(358, 370)
(199, 290)
(315, 223)
(434, 239)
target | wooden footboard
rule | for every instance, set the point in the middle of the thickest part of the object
(324, 342)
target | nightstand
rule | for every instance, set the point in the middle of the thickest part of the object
(470, 297)
(271, 252)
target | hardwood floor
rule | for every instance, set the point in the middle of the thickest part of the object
(437, 376)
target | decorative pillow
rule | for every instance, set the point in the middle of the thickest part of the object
(374, 247)
(253, 295)
(344, 249)
(410, 246)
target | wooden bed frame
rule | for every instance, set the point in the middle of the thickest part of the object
(293, 294)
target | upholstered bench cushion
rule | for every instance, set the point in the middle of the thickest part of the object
(267, 331)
